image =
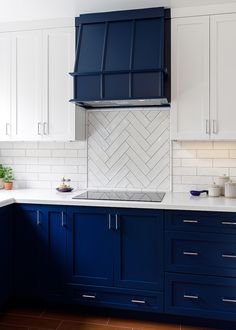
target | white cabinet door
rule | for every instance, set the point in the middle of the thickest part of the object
(190, 79)
(223, 76)
(5, 85)
(27, 86)
(58, 112)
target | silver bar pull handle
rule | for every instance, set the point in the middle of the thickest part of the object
(135, 301)
(117, 222)
(63, 223)
(39, 128)
(45, 128)
(230, 256)
(109, 222)
(186, 253)
(207, 126)
(89, 296)
(229, 300)
(228, 223)
(190, 221)
(38, 218)
(8, 129)
(215, 128)
(187, 296)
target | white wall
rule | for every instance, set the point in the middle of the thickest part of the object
(18, 10)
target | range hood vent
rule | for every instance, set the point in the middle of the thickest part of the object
(123, 59)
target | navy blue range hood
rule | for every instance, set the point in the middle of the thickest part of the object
(123, 59)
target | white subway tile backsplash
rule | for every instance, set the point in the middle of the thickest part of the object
(212, 159)
(184, 153)
(43, 164)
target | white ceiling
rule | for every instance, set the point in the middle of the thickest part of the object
(17, 10)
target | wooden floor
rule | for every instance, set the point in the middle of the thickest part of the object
(20, 317)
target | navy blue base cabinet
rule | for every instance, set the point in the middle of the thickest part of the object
(39, 234)
(5, 254)
(176, 262)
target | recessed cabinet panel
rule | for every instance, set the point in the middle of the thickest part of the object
(139, 251)
(148, 44)
(223, 73)
(88, 87)
(190, 79)
(5, 85)
(58, 112)
(118, 46)
(89, 247)
(27, 85)
(116, 86)
(91, 42)
(147, 84)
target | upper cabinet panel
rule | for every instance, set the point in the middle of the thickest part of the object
(90, 47)
(118, 46)
(148, 52)
(190, 78)
(223, 73)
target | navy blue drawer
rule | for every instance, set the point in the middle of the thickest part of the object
(215, 222)
(200, 253)
(204, 296)
(125, 299)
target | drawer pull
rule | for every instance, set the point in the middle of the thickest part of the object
(228, 223)
(229, 300)
(186, 253)
(232, 256)
(134, 301)
(186, 296)
(190, 221)
(89, 296)
(191, 297)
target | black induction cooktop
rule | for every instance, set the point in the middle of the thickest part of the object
(122, 196)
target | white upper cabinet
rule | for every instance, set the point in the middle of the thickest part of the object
(5, 85)
(27, 85)
(190, 78)
(203, 78)
(223, 76)
(58, 112)
(35, 85)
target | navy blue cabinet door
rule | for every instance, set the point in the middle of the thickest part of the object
(90, 253)
(139, 249)
(56, 219)
(5, 254)
(30, 250)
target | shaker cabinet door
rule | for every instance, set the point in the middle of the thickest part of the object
(5, 85)
(58, 112)
(190, 79)
(223, 73)
(27, 86)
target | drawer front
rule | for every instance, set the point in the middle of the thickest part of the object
(215, 222)
(204, 296)
(200, 253)
(136, 300)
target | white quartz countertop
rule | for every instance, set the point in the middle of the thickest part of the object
(171, 201)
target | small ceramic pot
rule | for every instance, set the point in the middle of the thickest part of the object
(1, 183)
(214, 190)
(221, 181)
(230, 189)
(8, 185)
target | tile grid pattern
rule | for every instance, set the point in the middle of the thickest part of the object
(43, 164)
(129, 150)
(196, 164)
